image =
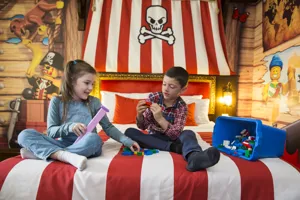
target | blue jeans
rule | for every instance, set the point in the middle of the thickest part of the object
(162, 142)
(43, 146)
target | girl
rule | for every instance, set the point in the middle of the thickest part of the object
(68, 116)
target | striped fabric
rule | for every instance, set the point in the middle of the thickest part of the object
(161, 176)
(150, 36)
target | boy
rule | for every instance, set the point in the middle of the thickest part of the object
(165, 119)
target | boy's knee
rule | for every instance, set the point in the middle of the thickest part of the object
(187, 134)
(130, 132)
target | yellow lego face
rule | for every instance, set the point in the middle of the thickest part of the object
(48, 70)
(275, 73)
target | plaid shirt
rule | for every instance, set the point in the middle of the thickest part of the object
(175, 115)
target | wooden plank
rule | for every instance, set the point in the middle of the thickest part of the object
(245, 91)
(5, 101)
(258, 73)
(246, 57)
(24, 53)
(244, 108)
(14, 86)
(5, 118)
(245, 74)
(71, 33)
(4, 25)
(3, 131)
(247, 43)
(14, 68)
(247, 33)
(17, 7)
(258, 13)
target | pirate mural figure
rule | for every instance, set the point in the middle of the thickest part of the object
(274, 89)
(47, 85)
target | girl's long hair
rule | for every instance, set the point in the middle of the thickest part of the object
(73, 70)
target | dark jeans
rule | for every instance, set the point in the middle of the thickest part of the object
(162, 142)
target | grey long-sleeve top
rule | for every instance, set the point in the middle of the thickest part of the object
(78, 112)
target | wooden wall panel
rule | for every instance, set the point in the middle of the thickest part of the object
(14, 68)
(5, 101)
(5, 118)
(13, 86)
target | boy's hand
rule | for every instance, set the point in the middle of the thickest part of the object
(156, 110)
(79, 129)
(135, 147)
(140, 108)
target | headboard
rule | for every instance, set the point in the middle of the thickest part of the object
(141, 83)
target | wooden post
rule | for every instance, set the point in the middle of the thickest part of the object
(72, 37)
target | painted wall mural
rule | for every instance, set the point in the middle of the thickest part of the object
(40, 26)
(281, 91)
(281, 22)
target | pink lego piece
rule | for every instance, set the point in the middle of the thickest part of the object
(93, 123)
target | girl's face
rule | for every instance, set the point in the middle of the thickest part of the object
(171, 88)
(83, 86)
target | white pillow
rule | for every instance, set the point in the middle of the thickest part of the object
(187, 98)
(201, 110)
(108, 99)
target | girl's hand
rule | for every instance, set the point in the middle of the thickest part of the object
(134, 146)
(79, 129)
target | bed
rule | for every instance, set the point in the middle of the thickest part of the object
(159, 176)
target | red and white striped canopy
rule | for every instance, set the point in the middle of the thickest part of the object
(150, 36)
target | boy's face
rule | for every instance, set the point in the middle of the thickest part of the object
(171, 88)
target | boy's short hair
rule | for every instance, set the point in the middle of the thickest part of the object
(179, 74)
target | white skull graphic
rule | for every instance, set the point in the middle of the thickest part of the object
(49, 58)
(156, 18)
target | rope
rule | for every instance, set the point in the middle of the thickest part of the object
(53, 34)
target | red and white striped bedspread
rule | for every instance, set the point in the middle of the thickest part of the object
(159, 176)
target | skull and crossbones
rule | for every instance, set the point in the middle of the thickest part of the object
(49, 58)
(156, 17)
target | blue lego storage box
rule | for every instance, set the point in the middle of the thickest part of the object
(269, 141)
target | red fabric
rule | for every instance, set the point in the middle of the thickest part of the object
(61, 188)
(125, 110)
(190, 118)
(209, 40)
(6, 166)
(124, 177)
(292, 159)
(188, 185)
(251, 171)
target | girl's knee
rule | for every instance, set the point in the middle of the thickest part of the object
(93, 138)
(25, 135)
(98, 151)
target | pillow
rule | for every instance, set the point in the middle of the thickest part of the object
(201, 110)
(108, 99)
(125, 110)
(188, 98)
(190, 118)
